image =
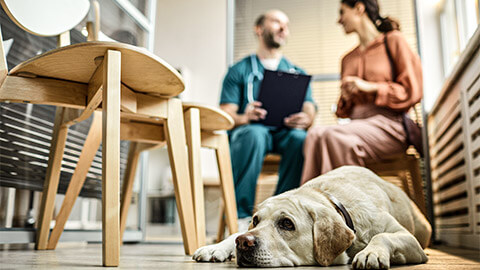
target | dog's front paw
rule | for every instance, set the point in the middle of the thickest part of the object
(212, 253)
(371, 259)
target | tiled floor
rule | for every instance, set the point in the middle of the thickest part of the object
(170, 256)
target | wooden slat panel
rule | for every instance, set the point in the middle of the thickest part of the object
(475, 107)
(437, 147)
(475, 145)
(460, 222)
(474, 126)
(439, 139)
(453, 174)
(476, 182)
(452, 191)
(448, 150)
(452, 220)
(451, 206)
(455, 159)
(454, 230)
(471, 75)
(476, 163)
(445, 117)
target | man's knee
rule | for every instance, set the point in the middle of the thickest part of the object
(296, 137)
(252, 134)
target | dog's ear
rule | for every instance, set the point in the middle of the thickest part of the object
(330, 239)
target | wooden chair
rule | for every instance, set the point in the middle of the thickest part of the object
(130, 84)
(407, 168)
(205, 127)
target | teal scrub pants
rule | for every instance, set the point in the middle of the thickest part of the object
(248, 146)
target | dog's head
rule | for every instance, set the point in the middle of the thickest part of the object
(294, 229)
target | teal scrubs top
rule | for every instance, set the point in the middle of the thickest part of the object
(235, 84)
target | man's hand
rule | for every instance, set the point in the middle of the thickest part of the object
(299, 120)
(254, 112)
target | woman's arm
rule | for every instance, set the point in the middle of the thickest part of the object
(407, 90)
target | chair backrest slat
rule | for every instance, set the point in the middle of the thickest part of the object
(63, 39)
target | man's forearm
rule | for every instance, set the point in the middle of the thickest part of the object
(238, 119)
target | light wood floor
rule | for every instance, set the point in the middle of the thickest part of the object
(170, 256)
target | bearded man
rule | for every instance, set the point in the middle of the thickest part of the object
(250, 141)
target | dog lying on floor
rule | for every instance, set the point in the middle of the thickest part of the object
(347, 215)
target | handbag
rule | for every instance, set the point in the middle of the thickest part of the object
(413, 130)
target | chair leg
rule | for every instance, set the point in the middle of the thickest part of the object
(89, 150)
(50, 187)
(111, 159)
(134, 152)
(192, 130)
(177, 153)
(417, 182)
(221, 222)
(226, 182)
(132, 162)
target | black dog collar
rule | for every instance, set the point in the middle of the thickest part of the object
(342, 210)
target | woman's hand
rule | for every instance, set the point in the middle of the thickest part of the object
(299, 120)
(254, 112)
(351, 85)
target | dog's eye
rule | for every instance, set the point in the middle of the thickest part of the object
(255, 221)
(286, 224)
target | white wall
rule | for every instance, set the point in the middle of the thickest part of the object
(191, 35)
(431, 50)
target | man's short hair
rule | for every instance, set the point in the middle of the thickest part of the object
(260, 20)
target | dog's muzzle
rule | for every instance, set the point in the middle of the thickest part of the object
(246, 246)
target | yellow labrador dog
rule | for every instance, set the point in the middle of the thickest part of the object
(347, 215)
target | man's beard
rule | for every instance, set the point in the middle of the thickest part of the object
(269, 40)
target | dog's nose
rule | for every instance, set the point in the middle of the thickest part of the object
(246, 241)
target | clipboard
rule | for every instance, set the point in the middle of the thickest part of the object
(282, 94)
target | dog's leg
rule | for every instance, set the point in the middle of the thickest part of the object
(394, 246)
(220, 252)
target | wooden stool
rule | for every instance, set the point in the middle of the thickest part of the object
(400, 165)
(211, 133)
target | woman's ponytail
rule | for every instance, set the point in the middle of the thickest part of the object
(387, 24)
(383, 25)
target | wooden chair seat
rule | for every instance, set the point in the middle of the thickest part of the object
(406, 167)
(141, 71)
(211, 118)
